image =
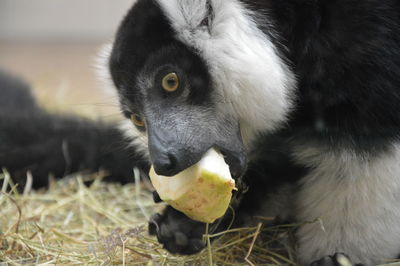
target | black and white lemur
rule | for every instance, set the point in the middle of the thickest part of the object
(301, 96)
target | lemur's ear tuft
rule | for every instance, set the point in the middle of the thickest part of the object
(207, 21)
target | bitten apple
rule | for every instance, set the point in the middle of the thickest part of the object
(202, 192)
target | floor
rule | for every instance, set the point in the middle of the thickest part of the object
(62, 75)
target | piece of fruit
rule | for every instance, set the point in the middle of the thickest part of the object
(202, 192)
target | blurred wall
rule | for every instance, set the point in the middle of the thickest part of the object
(52, 45)
(60, 19)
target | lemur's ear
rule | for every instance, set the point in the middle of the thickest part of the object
(207, 21)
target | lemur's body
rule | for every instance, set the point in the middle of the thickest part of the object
(307, 90)
(323, 76)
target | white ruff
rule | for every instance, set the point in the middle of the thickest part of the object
(357, 201)
(103, 72)
(253, 83)
(138, 140)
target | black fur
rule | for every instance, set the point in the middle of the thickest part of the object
(344, 53)
(177, 232)
(346, 58)
(33, 140)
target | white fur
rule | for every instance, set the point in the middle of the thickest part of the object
(138, 139)
(254, 83)
(103, 72)
(357, 200)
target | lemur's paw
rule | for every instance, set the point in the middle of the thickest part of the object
(178, 233)
(339, 259)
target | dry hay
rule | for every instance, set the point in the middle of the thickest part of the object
(81, 220)
(72, 223)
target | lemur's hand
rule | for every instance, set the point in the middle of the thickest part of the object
(178, 233)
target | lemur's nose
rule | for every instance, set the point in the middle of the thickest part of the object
(164, 157)
(165, 164)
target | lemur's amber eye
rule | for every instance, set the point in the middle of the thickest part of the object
(170, 82)
(137, 120)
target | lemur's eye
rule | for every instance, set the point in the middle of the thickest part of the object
(137, 120)
(170, 82)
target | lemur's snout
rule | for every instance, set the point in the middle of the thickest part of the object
(174, 145)
(167, 157)
(165, 163)
(164, 159)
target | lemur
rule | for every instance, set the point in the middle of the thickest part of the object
(300, 96)
(314, 83)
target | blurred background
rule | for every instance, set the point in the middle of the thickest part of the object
(53, 44)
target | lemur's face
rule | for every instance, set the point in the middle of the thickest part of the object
(186, 87)
(166, 90)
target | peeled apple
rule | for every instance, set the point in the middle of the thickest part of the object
(202, 192)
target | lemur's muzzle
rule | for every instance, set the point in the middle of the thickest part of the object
(172, 150)
(167, 159)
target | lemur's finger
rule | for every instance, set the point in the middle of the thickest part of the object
(156, 197)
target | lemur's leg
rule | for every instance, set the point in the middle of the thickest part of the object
(356, 198)
(60, 146)
(270, 178)
(33, 140)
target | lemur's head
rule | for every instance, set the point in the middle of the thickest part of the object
(197, 74)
